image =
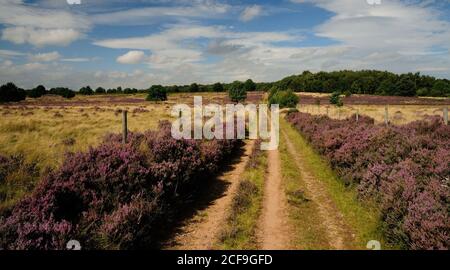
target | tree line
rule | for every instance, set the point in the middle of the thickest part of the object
(346, 82)
(371, 82)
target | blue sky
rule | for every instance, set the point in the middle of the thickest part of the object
(137, 43)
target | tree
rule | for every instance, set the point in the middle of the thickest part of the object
(335, 99)
(194, 88)
(285, 99)
(249, 85)
(86, 91)
(100, 90)
(36, 92)
(440, 89)
(157, 93)
(218, 87)
(237, 92)
(61, 91)
(405, 87)
(10, 92)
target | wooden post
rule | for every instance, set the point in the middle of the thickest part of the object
(446, 116)
(357, 115)
(339, 113)
(386, 115)
(124, 126)
(327, 110)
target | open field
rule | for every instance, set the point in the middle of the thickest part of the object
(155, 191)
(401, 110)
(44, 129)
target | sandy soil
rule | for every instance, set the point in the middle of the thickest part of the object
(202, 230)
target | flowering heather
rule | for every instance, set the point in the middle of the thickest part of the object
(113, 195)
(405, 169)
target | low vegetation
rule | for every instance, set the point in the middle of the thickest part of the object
(240, 230)
(114, 196)
(402, 169)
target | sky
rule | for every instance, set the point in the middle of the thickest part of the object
(138, 43)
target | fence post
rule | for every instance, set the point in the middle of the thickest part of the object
(327, 110)
(124, 126)
(386, 115)
(339, 113)
(357, 115)
(446, 116)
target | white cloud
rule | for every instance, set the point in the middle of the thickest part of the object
(45, 57)
(25, 23)
(80, 59)
(250, 13)
(40, 37)
(131, 57)
(149, 15)
(10, 53)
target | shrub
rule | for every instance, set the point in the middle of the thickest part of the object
(286, 99)
(113, 196)
(39, 91)
(11, 93)
(61, 91)
(86, 91)
(157, 93)
(404, 169)
(335, 99)
(237, 92)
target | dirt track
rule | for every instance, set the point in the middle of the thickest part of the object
(274, 231)
(202, 230)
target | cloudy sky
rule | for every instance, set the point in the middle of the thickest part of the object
(137, 43)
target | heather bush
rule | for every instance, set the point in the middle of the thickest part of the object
(404, 169)
(113, 196)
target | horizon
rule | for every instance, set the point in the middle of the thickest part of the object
(147, 42)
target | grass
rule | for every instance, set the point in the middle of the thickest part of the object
(362, 218)
(240, 230)
(309, 234)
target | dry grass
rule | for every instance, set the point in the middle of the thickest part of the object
(44, 129)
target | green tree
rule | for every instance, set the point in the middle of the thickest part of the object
(86, 91)
(335, 99)
(10, 92)
(157, 93)
(285, 99)
(218, 87)
(237, 92)
(38, 91)
(440, 89)
(249, 85)
(100, 90)
(405, 87)
(194, 88)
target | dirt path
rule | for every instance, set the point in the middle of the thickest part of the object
(274, 231)
(332, 219)
(202, 230)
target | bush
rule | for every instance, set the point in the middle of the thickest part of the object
(61, 91)
(286, 99)
(249, 85)
(335, 99)
(100, 90)
(39, 91)
(11, 93)
(404, 169)
(237, 92)
(217, 87)
(86, 91)
(157, 93)
(114, 196)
